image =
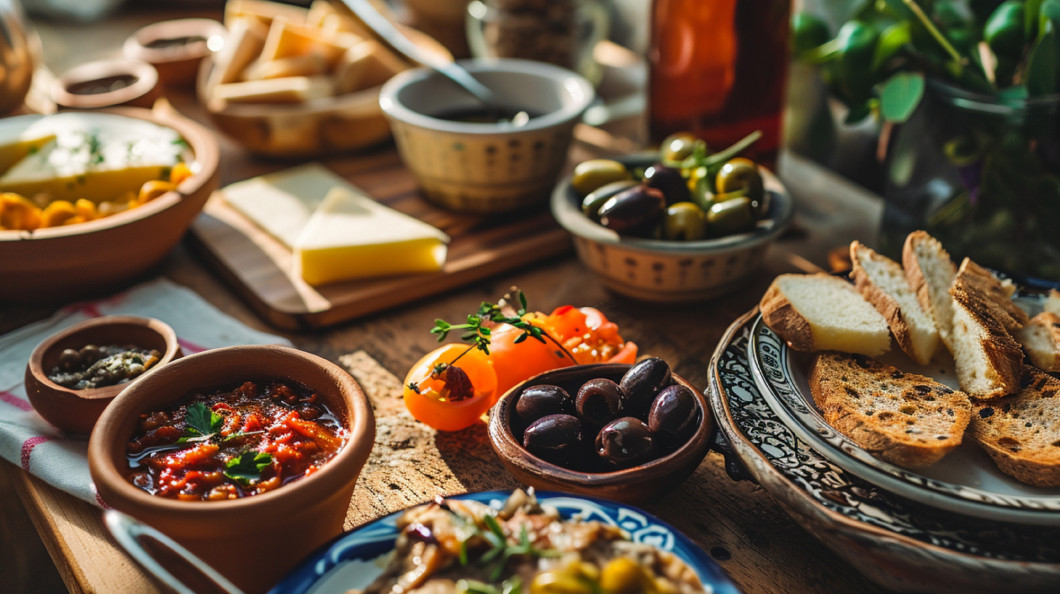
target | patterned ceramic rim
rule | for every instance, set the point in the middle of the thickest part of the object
(821, 491)
(772, 369)
(358, 549)
(566, 207)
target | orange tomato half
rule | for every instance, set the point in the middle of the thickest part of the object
(585, 332)
(430, 397)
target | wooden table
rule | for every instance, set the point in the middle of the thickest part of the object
(760, 547)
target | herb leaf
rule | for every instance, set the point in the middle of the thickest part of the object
(246, 468)
(202, 422)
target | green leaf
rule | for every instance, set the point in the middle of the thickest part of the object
(202, 421)
(891, 41)
(1031, 8)
(1040, 75)
(246, 468)
(900, 96)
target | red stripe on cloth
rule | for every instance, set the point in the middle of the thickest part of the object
(190, 347)
(27, 448)
(101, 503)
(15, 401)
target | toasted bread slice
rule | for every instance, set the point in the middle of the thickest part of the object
(816, 312)
(988, 359)
(1022, 432)
(1052, 302)
(929, 270)
(1040, 338)
(881, 281)
(904, 418)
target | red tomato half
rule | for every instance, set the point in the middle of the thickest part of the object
(586, 333)
(444, 404)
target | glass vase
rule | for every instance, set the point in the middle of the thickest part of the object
(981, 174)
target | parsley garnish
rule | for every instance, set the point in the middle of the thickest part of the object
(246, 468)
(202, 423)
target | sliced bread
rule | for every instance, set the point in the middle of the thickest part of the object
(988, 359)
(1052, 302)
(1040, 338)
(904, 418)
(881, 281)
(1022, 432)
(816, 312)
(929, 270)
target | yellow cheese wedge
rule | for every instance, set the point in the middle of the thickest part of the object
(307, 65)
(263, 11)
(242, 45)
(366, 65)
(13, 152)
(352, 236)
(282, 202)
(289, 89)
(286, 39)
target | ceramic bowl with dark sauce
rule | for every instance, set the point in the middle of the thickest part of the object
(633, 453)
(73, 375)
(175, 47)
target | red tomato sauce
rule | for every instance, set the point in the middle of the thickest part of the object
(259, 435)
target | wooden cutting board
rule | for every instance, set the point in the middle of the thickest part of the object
(260, 268)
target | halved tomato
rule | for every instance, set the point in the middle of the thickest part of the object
(450, 387)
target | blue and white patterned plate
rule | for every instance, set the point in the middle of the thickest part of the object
(352, 560)
(966, 480)
(892, 539)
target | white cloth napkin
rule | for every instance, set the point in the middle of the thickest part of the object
(45, 451)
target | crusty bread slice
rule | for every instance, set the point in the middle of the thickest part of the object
(881, 281)
(929, 270)
(904, 418)
(816, 312)
(988, 359)
(1052, 302)
(1022, 432)
(1040, 338)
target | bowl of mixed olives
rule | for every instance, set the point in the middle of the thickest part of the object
(679, 224)
(624, 432)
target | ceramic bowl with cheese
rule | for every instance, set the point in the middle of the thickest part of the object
(91, 199)
(470, 163)
(293, 81)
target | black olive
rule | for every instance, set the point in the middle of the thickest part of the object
(641, 383)
(635, 211)
(90, 353)
(598, 401)
(553, 437)
(669, 181)
(591, 204)
(69, 360)
(624, 442)
(673, 411)
(539, 401)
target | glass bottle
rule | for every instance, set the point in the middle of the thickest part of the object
(718, 68)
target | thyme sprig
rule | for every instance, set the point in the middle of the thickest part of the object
(500, 551)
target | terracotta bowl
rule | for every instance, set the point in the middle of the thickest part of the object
(108, 83)
(63, 263)
(175, 47)
(671, 271)
(76, 411)
(255, 540)
(486, 167)
(637, 484)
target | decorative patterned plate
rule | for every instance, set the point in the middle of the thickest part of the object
(893, 540)
(965, 481)
(353, 559)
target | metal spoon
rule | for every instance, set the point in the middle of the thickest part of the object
(381, 26)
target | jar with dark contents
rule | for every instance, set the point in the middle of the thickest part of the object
(560, 32)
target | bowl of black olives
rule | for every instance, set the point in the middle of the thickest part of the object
(621, 432)
(679, 224)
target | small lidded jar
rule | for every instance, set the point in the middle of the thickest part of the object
(560, 32)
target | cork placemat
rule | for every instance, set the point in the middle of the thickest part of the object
(410, 462)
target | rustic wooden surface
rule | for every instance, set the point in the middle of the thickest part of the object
(737, 523)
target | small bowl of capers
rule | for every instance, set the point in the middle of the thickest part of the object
(629, 433)
(679, 224)
(74, 374)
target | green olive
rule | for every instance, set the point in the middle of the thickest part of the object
(677, 147)
(684, 221)
(594, 173)
(591, 203)
(730, 216)
(623, 575)
(740, 174)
